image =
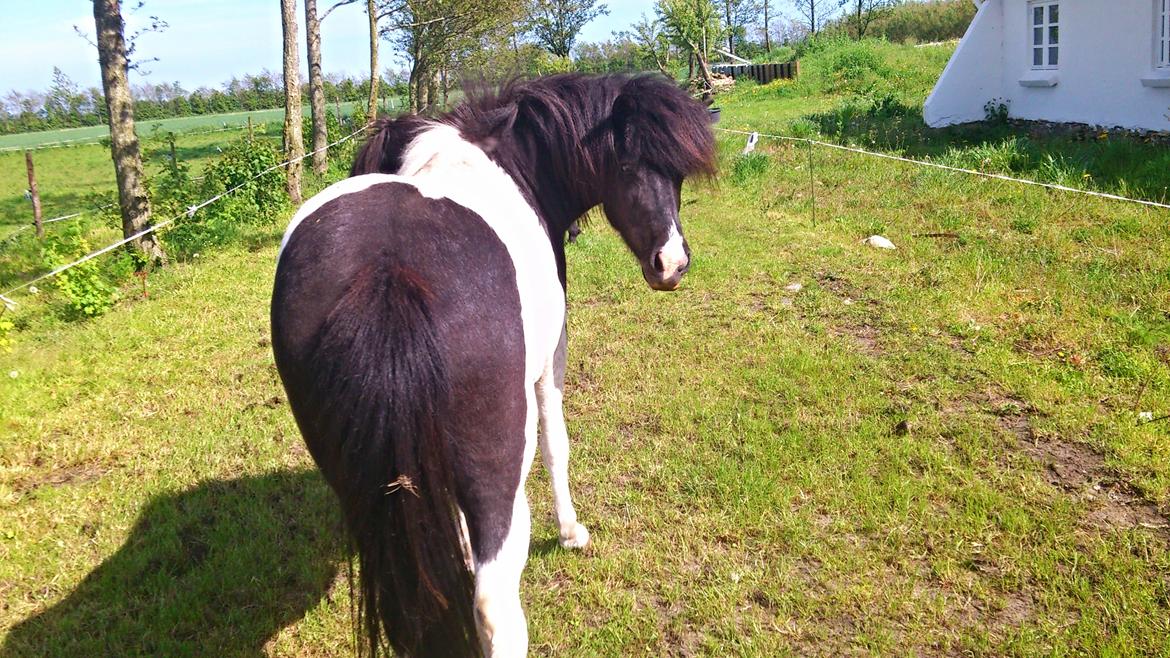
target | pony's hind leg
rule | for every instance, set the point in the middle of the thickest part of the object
(503, 629)
(554, 447)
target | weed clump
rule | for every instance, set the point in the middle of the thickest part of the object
(749, 167)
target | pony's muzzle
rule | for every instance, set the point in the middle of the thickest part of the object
(668, 267)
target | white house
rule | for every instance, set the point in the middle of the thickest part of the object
(1100, 62)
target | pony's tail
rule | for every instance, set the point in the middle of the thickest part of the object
(383, 391)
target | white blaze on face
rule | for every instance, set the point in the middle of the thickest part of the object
(672, 254)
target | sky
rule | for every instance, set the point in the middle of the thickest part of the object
(208, 41)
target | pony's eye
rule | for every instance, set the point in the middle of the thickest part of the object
(626, 167)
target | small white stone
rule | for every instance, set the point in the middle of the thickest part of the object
(878, 242)
(13, 374)
(1146, 416)
(33, 289)
(794, 287)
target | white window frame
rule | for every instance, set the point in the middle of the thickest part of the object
(1162, 34)
(1048, 28)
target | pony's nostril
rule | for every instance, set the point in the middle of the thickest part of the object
(659, 266)
(684, 267)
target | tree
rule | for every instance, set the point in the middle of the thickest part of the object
(862, 13)
(694, 26)
(767, 27)
(316, 88)
(132, 199)
(372, 109)
(294, 145)
(814, 13)
(556, 23)
(436, 34)
(652, 43)
(738, 14)
(64, 102)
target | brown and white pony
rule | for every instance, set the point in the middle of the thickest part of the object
(418, 323)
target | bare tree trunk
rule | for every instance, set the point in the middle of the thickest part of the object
(704, 68)
(132, 199)
(730, 31)
(316, 88)
(372, 113)
(767, 28)
(294, 141)
(433, 88)
(35, 195)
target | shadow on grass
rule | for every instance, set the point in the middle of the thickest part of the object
(215, 570)
(1082, 158)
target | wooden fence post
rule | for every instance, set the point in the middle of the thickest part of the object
(36, 195)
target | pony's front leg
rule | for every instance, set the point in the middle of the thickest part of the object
(554, 446)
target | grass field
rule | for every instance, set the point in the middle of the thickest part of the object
(75, 136)
(930, 451)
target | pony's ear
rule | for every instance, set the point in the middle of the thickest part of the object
(497, 124)
(624, 118)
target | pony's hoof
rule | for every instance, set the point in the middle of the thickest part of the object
(578, 537)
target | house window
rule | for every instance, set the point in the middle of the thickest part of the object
(1044, 20)
(1163, 34)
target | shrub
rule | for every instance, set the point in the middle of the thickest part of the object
(250, 166)
(85, 290)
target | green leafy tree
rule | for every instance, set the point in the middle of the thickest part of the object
(860, 14)
(437, 35)
(695, 26)
(651, 44)
(555, 24)
(738, 15)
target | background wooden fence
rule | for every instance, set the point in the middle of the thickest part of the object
(761, 73)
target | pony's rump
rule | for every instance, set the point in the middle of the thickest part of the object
(380, 384)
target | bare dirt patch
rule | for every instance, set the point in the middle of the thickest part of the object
(75, 474)
(865, 338)
(1077, 469)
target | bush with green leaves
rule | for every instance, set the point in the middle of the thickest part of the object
(248, 170)
(84, 287)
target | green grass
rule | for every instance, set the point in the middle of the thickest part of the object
(930, 451)
(75, 136)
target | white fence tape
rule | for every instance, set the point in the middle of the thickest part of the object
(973, 172)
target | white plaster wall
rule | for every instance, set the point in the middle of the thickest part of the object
(973, 76)
(1107, 48)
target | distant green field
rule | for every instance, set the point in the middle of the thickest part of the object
(183, 124)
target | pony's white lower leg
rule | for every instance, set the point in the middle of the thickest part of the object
(503, 629)
(554, 448)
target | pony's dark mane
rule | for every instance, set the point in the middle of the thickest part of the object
(562, 134)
